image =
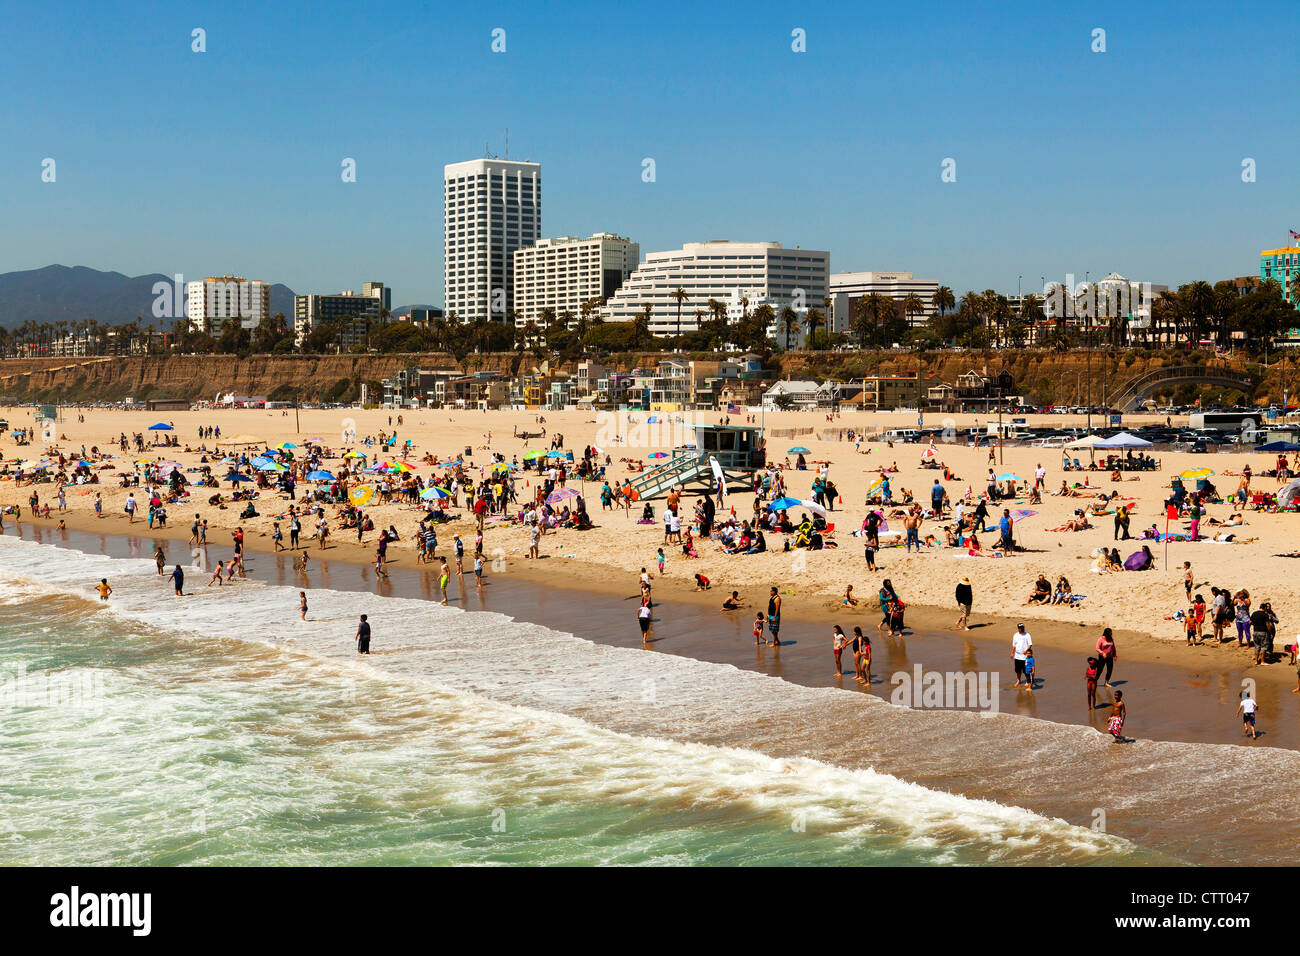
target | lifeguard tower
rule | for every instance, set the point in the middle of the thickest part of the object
(721, 453)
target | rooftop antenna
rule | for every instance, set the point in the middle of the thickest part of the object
(507, 142)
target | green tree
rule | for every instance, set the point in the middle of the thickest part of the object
(679, 296)
(789, 322)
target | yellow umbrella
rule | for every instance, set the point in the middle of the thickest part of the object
(1191, 474)
(354, 454)
(361, 494)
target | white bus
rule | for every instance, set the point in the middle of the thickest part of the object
(1225, 421)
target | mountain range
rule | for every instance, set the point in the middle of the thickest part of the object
(72, 293)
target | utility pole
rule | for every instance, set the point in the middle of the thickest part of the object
(297, 400)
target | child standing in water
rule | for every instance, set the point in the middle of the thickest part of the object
(1118, 712)
(838, 643)
(862, 656)
(302, 604)
(1090, 675)
(758, 628)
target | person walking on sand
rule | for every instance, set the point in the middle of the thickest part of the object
(1090, 675)
(643, 618)
(1022, 646)
(1106, 654)
(130, 508)
(363, 636)
(965, 599)
(1247, 709)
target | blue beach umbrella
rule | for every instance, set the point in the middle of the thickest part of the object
(781, 504)
(161, 427)
(319, 476)
(798, 450)
(428, 494)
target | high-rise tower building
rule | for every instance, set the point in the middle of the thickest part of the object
(491, 208)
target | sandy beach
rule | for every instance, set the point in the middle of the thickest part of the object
(1138, 602)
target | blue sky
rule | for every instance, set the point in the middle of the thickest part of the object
(1067, 161)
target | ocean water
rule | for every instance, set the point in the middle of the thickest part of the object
(220, 729)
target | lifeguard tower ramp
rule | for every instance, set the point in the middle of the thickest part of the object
(737, 451)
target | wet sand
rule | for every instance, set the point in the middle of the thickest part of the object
(1167, 700)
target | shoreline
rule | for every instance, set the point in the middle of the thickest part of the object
(690, 624)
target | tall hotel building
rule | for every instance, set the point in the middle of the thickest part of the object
(762, 272)
(563, 273)
(491, 208)
(208, 304)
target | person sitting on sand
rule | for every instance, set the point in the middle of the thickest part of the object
(701, 583)
(733, 603)
(1042, 592)
(849, 599)
(1066, 491)
(1062, 594)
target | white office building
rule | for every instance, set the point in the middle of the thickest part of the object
(762, 272)
(491, 208)
(209, 303)
(565, 272)
(848, 287)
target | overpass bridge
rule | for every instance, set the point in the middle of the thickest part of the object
(1130, 395)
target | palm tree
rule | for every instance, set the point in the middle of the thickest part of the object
(1199, 297)
(860, 325)
(1031, 312)
(790, 322)
(641, 324)
(814, 318)
(943, 300)
(912, 305)
(679, 296)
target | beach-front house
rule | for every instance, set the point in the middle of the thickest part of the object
(792, 393)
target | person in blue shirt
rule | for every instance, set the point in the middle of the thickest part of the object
(1004, 526)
